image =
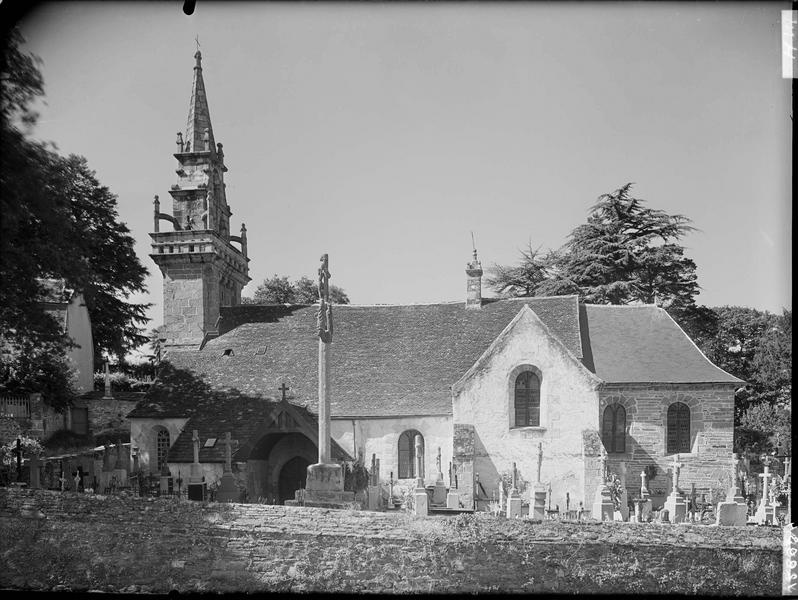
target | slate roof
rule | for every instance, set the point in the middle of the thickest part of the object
(385, 360)
(390, 361)
(644, 344)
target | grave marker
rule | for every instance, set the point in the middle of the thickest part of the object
(514, 498)
(603, 506)
(196, 481)
(420, 494)
(765, 511)
(675, 505)
(733, 511)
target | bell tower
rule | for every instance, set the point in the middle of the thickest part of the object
(201, 267)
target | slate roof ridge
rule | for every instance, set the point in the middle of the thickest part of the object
(399, 305)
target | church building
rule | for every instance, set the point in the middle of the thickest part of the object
(547, 383)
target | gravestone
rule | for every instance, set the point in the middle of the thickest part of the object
(196, 480)
(624, 493)
(675, 505)
(645, 504)
(452, 498)
(514, 498)
(733, 511)
(539, 491)
(166, 483)
(228, 490)
(420, 507)
(374, 489)
(603, 506)
(35, 482)
(439, 492)
(765, 512)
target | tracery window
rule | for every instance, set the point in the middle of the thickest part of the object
(407, 454)
(613, 429)
(161, 449)
(527, 400)
(678, 428)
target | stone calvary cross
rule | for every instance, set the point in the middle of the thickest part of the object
(228, 452)
(325, 331)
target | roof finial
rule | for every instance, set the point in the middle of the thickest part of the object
(198, 54)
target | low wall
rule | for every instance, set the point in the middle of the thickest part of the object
(118, 543)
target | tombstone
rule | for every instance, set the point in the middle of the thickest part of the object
(603, 506)
(34, 466)
(166, 486)
(765, 512)
(539, 491)
(452, 498)
(624, 494)
(196, 481)
(514, 498)
(374, 490)
(675, 504)
(733, 511)
(228, 490)
(439, 492)
(420, 495)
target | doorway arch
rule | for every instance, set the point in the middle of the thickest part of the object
(292, 477)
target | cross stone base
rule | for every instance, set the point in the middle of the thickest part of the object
(514, 506)
(676, 507)
(603, 506)
(539, 501)
(765, 514)
(324, 487)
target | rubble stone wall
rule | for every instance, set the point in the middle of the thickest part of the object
(117, 543)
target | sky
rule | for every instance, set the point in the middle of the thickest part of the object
(384, 134)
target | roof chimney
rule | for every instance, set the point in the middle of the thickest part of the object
(474, 283)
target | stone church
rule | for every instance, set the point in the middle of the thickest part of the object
(548, 383)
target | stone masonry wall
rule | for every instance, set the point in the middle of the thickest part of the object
(115, 543)
(707, 465)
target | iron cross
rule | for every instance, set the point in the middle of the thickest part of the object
(283, 388)
(196, 39)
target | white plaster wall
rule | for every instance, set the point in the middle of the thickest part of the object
(381, 437)
(143, 436)
(81, 357)
(569, 404)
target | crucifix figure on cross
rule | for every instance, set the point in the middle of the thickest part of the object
(324, 317)
(283, 389)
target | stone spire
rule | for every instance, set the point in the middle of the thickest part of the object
(199, 132)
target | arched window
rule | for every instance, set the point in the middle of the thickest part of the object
(613, 428)
(678, 428)
(161, 449)
(527, 400)
(407, 454)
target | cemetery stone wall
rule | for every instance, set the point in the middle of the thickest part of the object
(122, 543)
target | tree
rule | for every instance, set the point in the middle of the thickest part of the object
(58, 222)
(625, 253)
(524, 279)
(279, 290)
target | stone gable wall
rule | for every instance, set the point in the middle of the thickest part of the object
(116, 543)
(711, 431)
(568, 405)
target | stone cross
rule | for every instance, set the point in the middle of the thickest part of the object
(419, 462)
(735, 476)
(195, 438)
(567, 501)
(77, 480)
(677, 467)
(603, 465)
(283, 388)
(765, 476)
(438, 462)
(324, 323)
(228, 452)
(515, 477)
(540, 458)
(18, 452)
(107, 382)
(62, 479)
(643, 487)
